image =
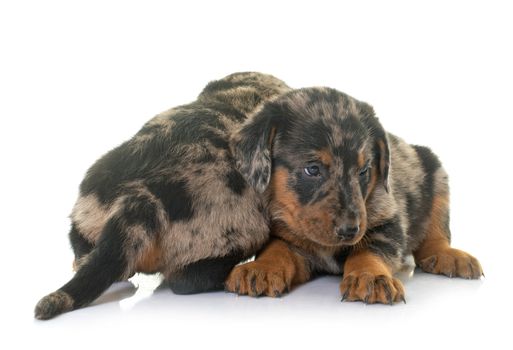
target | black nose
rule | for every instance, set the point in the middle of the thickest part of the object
(348, 233)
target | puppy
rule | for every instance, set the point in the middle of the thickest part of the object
(170, 200)
(345, 197)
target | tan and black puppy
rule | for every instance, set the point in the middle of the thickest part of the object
(170, 200)
(345, 197)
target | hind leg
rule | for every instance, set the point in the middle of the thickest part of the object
(204, 275)
(80, 245)
(126, 244)
(434, 255)
(102, 267)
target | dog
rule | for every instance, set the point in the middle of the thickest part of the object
(346, 198)
(170, 200)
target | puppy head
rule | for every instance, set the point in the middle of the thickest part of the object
(319, 154)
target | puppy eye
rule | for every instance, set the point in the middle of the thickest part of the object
(312, 170)
(364, 171)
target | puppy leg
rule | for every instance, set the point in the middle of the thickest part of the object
(368, 278)
(275, 270)
(434, 255)
(81, 246)
(104, 265)
(125, 242)
(204, 275)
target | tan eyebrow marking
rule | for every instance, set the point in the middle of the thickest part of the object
(325, 156)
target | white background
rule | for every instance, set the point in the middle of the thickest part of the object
(78, 78)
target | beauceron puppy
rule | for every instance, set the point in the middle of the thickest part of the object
(345, 197)
(170, 200)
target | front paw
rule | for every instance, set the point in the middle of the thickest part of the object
(452, 262)
(255, 279)
(371, 289)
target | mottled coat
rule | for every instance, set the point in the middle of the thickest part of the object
(170, 200)
(345, 197)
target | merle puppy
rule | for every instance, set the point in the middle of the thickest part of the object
(345, 197)
(170, 200)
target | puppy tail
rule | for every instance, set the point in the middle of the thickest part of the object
(106, 264)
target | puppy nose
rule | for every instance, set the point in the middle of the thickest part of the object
(348, 233)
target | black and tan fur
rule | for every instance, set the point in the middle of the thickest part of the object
(170, 200)
(345, 197)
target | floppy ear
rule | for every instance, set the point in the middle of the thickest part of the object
(384, 159)
(381, 146)
(251, 147)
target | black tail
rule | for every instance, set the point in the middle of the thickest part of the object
(106, 264)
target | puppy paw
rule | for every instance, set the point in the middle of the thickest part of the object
(52, 305)
(257, 279)
(371, 289)
(452, 263)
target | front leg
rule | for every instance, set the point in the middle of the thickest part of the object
(368, 278)
(275, 270)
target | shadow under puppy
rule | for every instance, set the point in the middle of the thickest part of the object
(345, 197)
(170, 200)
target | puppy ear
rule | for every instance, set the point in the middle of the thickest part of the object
(381, 146)
(384, 159)
(251, 147)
